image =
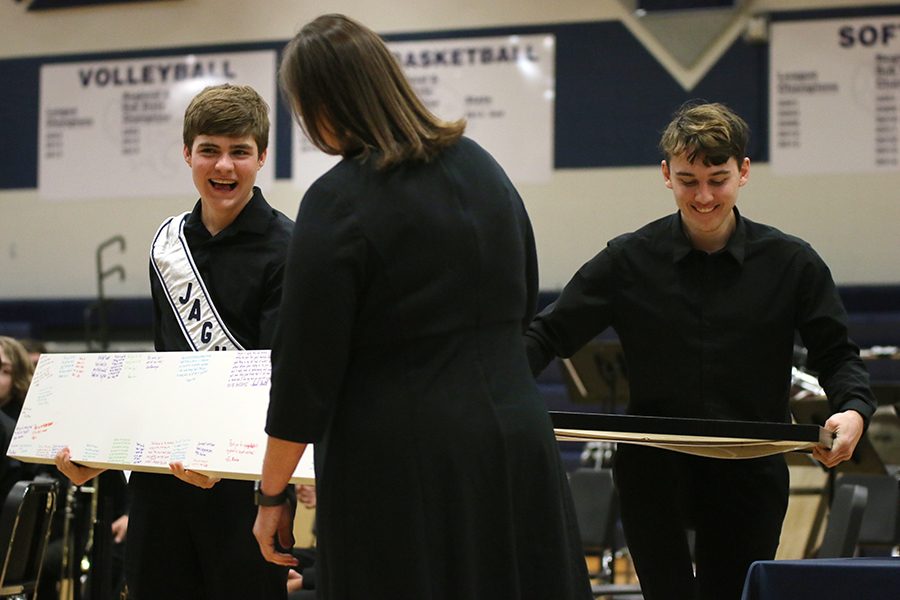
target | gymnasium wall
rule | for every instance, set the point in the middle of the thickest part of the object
(618, 78)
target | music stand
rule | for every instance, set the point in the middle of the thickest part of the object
(597, 374)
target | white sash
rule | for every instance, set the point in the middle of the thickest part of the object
(194, 310)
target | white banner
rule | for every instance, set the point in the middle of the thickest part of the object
(503, 86)
(834, 96)
(112, 129)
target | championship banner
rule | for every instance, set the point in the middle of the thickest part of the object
(504, 87)
(113, 129)
(834, 96)
(701, 437)
(139, 411)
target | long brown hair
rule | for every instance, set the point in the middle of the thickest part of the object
(340, 78)
(21, 370)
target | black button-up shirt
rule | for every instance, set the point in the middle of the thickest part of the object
(709, 335)
(242, 267)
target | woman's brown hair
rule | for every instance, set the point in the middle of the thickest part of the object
(340, 79)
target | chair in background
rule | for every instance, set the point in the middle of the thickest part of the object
(880, 530)
(596, 508)
(844, 522)
(594, 495)
(24, 529)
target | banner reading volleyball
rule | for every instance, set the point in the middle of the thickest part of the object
(112, 129)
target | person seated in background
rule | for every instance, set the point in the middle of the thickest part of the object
(34, 348)
(16, 370)
(16, 376)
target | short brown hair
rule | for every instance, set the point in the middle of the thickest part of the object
(710, 130)
(230, 110)
(339, 76)
(21, 369)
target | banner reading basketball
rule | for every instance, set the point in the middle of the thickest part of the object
(503, 86)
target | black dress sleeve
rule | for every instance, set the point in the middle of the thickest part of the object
(531, 268)
(311, 347)
(268, 316)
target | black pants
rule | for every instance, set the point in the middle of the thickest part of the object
(735, 507)
(186, 543)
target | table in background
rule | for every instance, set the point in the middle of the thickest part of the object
(868, 578)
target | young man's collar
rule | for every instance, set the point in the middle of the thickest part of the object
(254, 217)
(736, 245)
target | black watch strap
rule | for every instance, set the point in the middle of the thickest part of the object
(261, 499)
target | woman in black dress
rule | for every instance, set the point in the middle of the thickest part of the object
(409, 281)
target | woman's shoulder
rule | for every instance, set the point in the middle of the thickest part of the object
(472, 156)
(339, 180)
(467, 145)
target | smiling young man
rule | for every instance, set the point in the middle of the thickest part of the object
(706, 304)
(216, 280)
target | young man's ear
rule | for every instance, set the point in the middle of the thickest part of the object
(666, 175)
(262, 158)
(187, 155)
(745, 171)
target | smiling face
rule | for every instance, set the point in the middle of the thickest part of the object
(705, 195)
(224, 170)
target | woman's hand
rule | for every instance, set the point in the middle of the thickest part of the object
(271, 521)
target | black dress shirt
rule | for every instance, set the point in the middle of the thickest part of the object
(709, 335)
(242, 267)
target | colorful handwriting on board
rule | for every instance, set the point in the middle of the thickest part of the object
(250, 369)
(38, 430)
(237, 450)
(193, 365)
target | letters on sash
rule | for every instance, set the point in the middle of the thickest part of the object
(194, 310)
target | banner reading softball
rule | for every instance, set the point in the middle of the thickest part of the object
(112, 129)
(835, 96)
(503, 86)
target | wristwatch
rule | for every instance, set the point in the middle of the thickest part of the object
(261, 499)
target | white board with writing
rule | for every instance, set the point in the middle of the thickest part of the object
(835, 96)
(113, 129)
(140, 411)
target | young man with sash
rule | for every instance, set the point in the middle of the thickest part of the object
(215, 278)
